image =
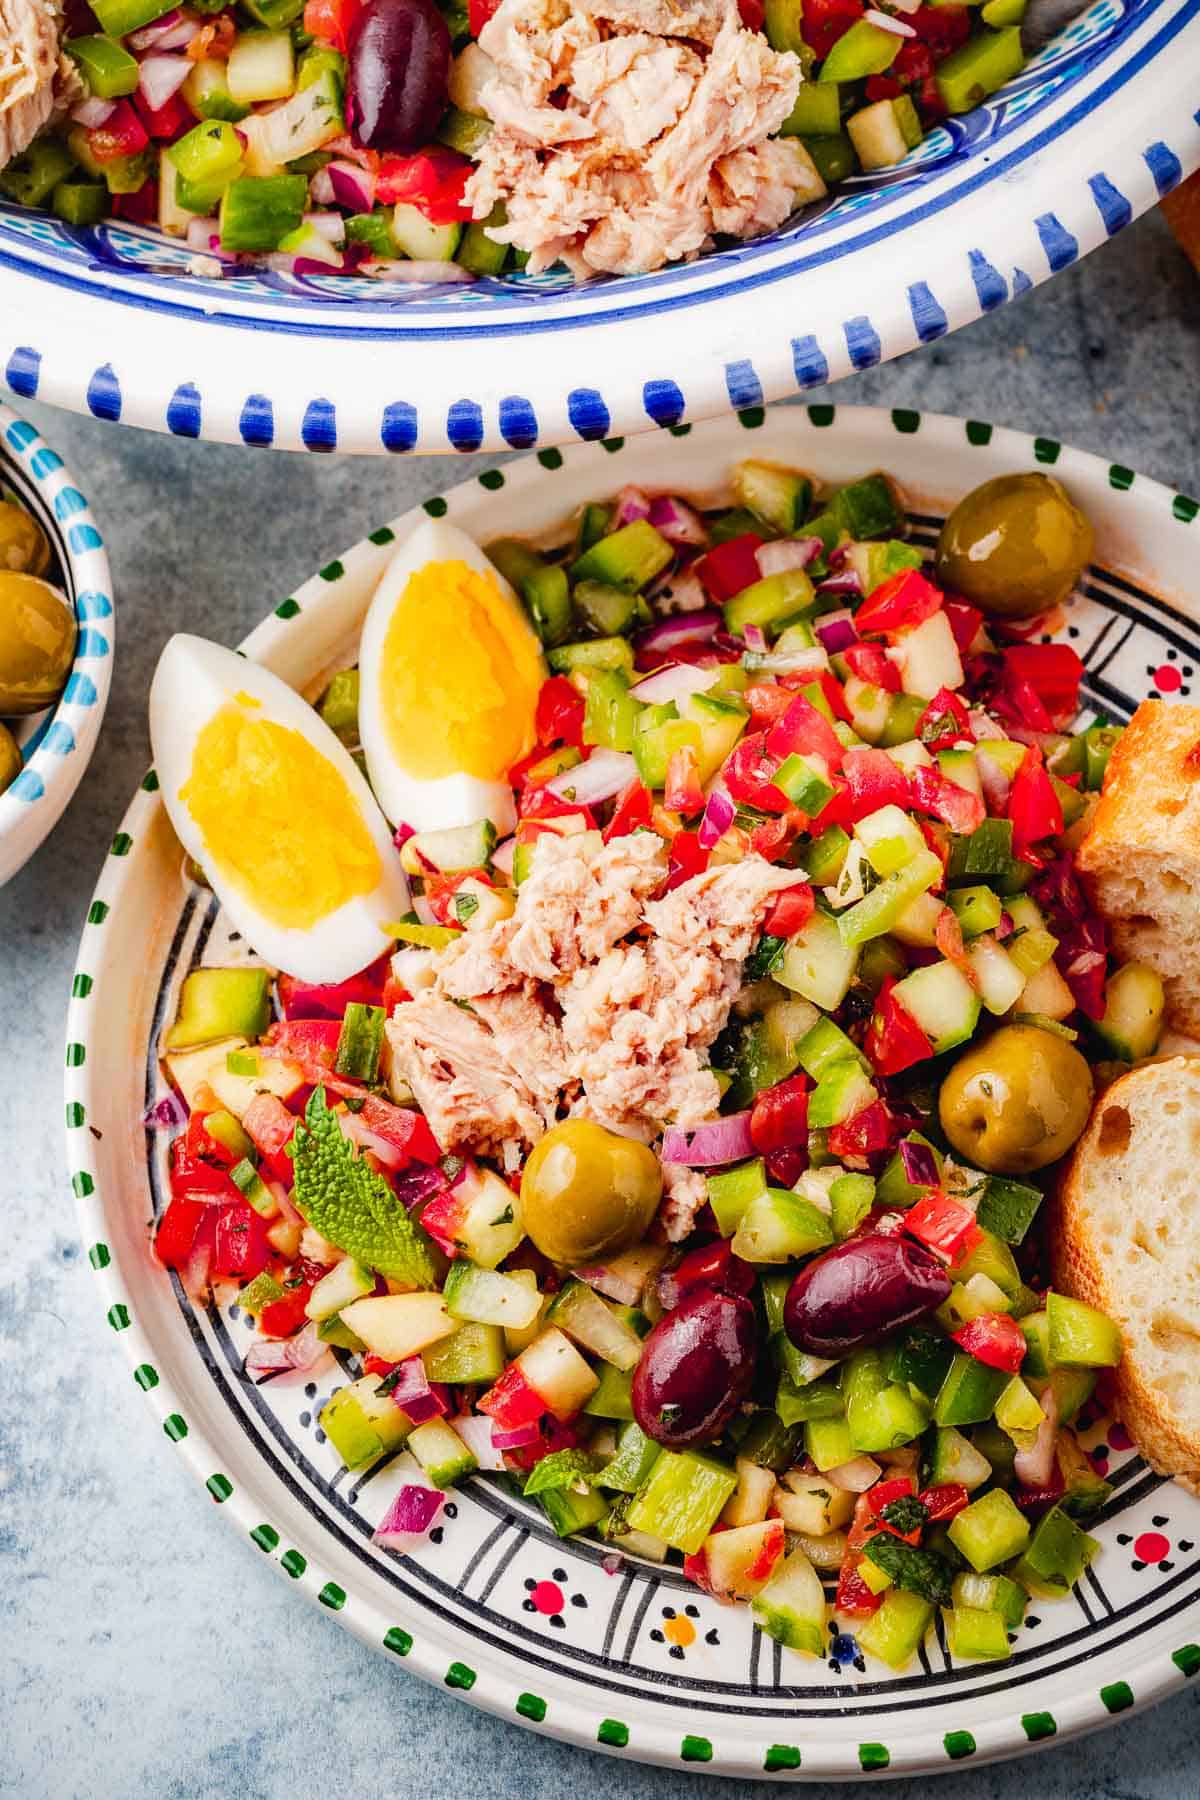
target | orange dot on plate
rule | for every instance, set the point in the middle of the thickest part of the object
(679, 1631)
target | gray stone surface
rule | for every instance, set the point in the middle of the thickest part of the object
(143, 1651)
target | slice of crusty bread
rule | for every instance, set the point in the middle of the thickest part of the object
(1140, 859)
(1125, 1237)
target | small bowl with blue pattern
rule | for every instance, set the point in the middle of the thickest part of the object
(56, 745)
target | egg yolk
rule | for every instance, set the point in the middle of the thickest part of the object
(279, 822)
(460, 675)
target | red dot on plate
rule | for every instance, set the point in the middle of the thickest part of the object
(1167, 679)
(1151, 1547)
(547, 1596)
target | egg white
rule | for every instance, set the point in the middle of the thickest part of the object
(193, 680)
(450, 800)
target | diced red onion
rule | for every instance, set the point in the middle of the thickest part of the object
(93, 112)
(604, 774)
(352, 186)
(519, 1438)
(1034, 1468)
(321, 190)
(409, 1518)
(423, 910)
(676, 682)
(994, 781)
(329, 225)
(719, 814)
(200, 236)
(983, 726)
(632, 504)
(282, 1200)
(503, 854)
(920, 1169)
(613, 1286)
(475, 1430)
(179, 36)
(678, 522)
(443, 272)
(612, 1563)
(269, 1357)
(1005, 928)
(416, 1395)
(755, 638)
(846, 581)
(782, 555)
(855, 1476)
(160, 77)
(167, 1114)
(885, 22)
(680, 594)
(149, 35)
(836, 631)
(416, 1185)
(667, 635)
(366, 1139)
(195, 1271)
(706, 1146)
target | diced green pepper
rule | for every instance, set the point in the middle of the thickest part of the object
(731, 1192)
(339, 705)
(894, 1634)
(31, 178)
(595, 653)
(609, 611)
(833, 156)
(922, 1357)
(1008, 1207)
(990, 1530)
(106, 67)
(1056, 1557)
(980, 66)
(867, 508)
(1080, 1335)
(610, 715)
(971, 1632)
(119, 17)
(360, 1042)
(864, 50)
(627, 558)
(630, 1468)
(682, 1499)
(80, 202)
(969, 1392)
(258, 212)
(817, 113)
(221, 1003)
(770, 1443)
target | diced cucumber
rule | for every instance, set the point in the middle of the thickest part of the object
(971, 1632)
(978, 67)
(263, 1291)
(1007, 1209)
(332, 1331)
(822, 860)
(779, 1226)
(360, 1042)
(467, 133)
(817, 113)
(767, 603)
(870, 507)
(441, 1452)
(630, 1468)
(486, 1297)
(221, 1003)
(999, 981)
(969, 1393)
(570, 1510)
(420, 239)
(881, 908)
(627, 558)
(955, 1459)
(721, 722)
(397, 1326)
(262, 66)
(842, 1091)
(683, 1498)
(828, 1442)
(825, 1044)
(1056, 1556)
(992, 1257)
(1133, 1012)
(920, 1357)
(864, 50)
(990, 1530)
(258, 212)
(929, 659)
(791, 1607)
(768, 1444)
(1018, 1412)
(595, 653)
(942, 1002)
(881, 1414)
(362, 1424)
(474, 1355)
(833, 157)
(780, 497)
(609, 610)
(891, 839)
(895, 1189)
(450, 851)
(818, 964)
(851, 1198)
(346, 1281)
(731, 1193)
(977, 909)
(477, 251)
(594, 1325)
(885, 132)
(991, 1593)
(1080, 1336)
(612, 1397)
(868, 708)
(86, 203)
(894, 1634)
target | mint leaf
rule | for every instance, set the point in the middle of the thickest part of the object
(344, 1199)
(562, 1468)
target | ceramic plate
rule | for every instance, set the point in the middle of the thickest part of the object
(56, 745)
(627, 1658)
(1092, 132)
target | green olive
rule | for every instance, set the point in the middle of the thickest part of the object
(24, 546)
(1015, 546)
(1017, 1101)
(10, 758)
(37, 642)
(587, 1193)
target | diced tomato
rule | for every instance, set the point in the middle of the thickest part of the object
(313, 1040)
(271, 1127)
(631, 812)
(994, 1339)
(709, 1265)
(752, 13)
(280, 1318)
(945, 1501)
(556, 1434)
(943, 1226)
(440, 891)
(1082, 960)
(433, 180)
(870, 662)
(957, 807)
(964, 623)
(333, 20)
(943, 28)
(165, 122)
(140, 208)
(682, 792)
(883, 87)
(779, 1116)
(896, 1487)
(1033, 805)
(197, 1140)
(558, 718)
(695, 1564)
(214, 40)
(122, 134)
(899, 603)
(894, 1041)
(728, 568)
(805, 731)
(198, 1177)
(241, 1244)
(825, 21)
(688, 858)
(854, 1598)
(945, 721)
(540, 803)
(773, 837)
(177, 1230)
(790, 911)
(512, 1402)
(768, 702)
(400, 1126)
(478, 14)
(314, 1000)
(748, 773)
(377, 1365)
(442, 1218)
(868, 1133)
(835, 696)
(394, 992)
(785, 1167)
(872, 780)
(1054, 672)
(914, 63)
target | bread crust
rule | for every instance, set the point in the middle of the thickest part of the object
(1081, 1268)
(1139, 861)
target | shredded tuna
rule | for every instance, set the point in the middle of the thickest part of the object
(472, 1098)
(581, 898)
(36, 81)
(684, 1193)
(627, 132)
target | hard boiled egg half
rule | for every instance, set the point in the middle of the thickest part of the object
(269, 803)
(449, 675)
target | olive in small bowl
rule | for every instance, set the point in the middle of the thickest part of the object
(10, 758)
(1017, 1101)
(37, 643)
(1015, 546)
(588, 1193)
(24, 547)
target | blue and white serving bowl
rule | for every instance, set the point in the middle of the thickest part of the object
(110, 320)
(56, 745)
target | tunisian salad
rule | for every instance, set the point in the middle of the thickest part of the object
(668, 1134)
(452, 139)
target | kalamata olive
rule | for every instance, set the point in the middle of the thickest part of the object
(696, 1367)
(399, 65)
(860, 1291)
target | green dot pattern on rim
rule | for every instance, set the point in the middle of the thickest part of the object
(905, 420)
(1185, 508)
(492, 480)
(146, 1376)
(1120, 477)
(1117, 1696)
(696, 1749)
(118, 1316)
(384, 535)
(1038, 1725)
(979, 433)
(781, 1756)
(1046, 450)
(550, 459)
(76, 1116)
(959, 1744)
(679, 430)
(175, 1426)
(82, 1184)
(436, 508)
(97, 912)
(99, 1256)
(332, 1596)
(333, 571)
(872, 1757)
(751, 417)
(293, 1564)
(398, 1641)
(287, 609)
(150, 782)
(531, 1706)
(822, 415)
(121, 845)
(76, 1056)
(458, 1675)
(613, 1733)
(612, 445)
(1187, 1659)
(266, 1537)
(81, 987)
(220, 1487)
